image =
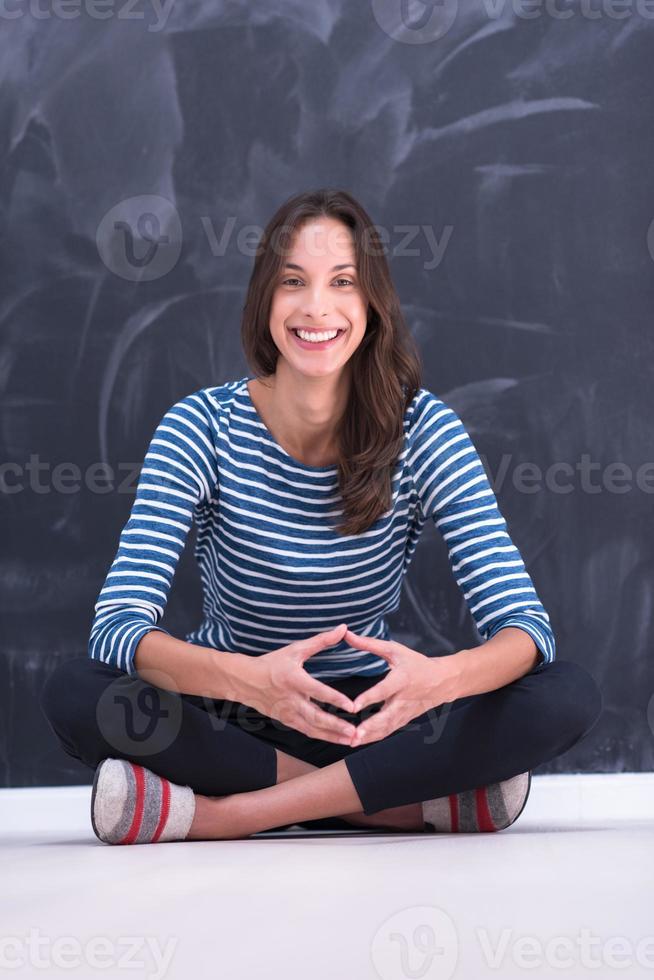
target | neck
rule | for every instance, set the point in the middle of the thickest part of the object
(303, 413)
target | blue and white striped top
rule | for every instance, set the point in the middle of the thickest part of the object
(272, 567)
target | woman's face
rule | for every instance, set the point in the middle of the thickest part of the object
(318, 292)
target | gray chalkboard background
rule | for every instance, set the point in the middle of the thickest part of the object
(509, 159)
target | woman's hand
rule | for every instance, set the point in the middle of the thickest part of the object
(277, 685)
(414, 684)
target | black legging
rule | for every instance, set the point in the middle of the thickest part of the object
(220, 747)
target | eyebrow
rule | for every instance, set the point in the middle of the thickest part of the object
(334, 268)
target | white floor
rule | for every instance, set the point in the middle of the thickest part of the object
(566, 891)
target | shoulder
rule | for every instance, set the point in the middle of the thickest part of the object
(223, 396)
(210, 402)
(428, 412)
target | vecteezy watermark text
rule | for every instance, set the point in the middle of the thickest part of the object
(585, 475)
(155, 15)
(424, 941)
(426, 21)
(43, 952)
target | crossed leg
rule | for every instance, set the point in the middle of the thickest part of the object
(296, 797)
(473, 742)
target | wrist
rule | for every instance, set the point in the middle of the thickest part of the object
(454, 682)
(229, 673)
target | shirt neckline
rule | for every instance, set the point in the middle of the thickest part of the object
(291, 459)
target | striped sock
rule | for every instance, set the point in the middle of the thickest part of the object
(132, 805)
(483, 809)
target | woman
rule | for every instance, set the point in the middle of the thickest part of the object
(309, 484)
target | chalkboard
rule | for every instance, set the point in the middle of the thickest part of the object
(509, 158)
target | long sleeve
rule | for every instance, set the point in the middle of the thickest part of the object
(454, 491)
(178, 475)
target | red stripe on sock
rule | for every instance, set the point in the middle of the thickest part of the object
(484, 818)
(165, 809)
(132, 833)
(454, 812)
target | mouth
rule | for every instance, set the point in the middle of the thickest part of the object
(327, 341)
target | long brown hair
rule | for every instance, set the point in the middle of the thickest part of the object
(386, 369)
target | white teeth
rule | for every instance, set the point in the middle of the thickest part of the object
(316, 338)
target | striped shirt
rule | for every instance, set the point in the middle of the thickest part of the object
(273, 567)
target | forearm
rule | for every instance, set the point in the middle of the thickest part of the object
(173, 664)
(509, 654)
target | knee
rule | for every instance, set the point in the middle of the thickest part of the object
(578, 698)
(54, 695)
(66, 692)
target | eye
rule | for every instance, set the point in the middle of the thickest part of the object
(294, 279)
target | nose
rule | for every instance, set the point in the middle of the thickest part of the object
(316, 303)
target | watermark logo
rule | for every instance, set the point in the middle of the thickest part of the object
(418, 942)
(425, 21)
(650, 239)
(415, 21)
(140, 238)
(650, 714)
(140, 719)
(422, 942)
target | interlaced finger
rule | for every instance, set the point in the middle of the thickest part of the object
(323, 723)
(386, 721)
(323, 692)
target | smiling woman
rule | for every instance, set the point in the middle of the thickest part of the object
(310, 486)
(323, 329)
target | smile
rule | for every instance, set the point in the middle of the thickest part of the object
(323, 338)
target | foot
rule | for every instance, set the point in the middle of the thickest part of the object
(132, 805)
(483, 809)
